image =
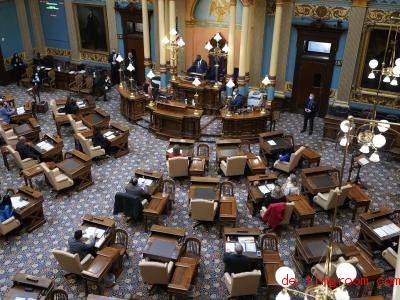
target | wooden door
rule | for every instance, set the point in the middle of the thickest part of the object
(135, 45)
(316, 52)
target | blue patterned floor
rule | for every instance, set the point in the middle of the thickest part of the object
(30, 252)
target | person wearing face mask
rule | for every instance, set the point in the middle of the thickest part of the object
(310, 111)
(237, 101)
(112, 59)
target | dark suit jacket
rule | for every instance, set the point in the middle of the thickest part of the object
(77, 246)
(129, 204)
(312, 105)
(25, 151)
(237, 263)
(196, 68)
(113, 62)
(237, 102)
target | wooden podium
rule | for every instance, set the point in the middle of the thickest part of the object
(132, 107)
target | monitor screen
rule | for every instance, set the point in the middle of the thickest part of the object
(319, 47)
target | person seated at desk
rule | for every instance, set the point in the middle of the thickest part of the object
(237, 101)
(24, 150)
(70, 107)
(76, 245)
(237, 262)
(176, 151)
(99, 140)
(276, 196)
(198, 66)
(6, 209)
(133, 189)
(6, 111)
(290, 187)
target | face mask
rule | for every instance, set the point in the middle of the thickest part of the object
(311, 97)
(234, 93)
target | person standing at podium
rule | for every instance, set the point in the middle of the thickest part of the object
(198, 66)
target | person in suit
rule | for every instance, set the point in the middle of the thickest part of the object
(6, 111)
(176, 151)
(70, 106)
(92, 30)
(112, 59)
(237, 101)
(24, 150)
(237, 262)
(310, 111)
(275, 196)
(198, 66)
(77, 246)
(133, 189)
(99, 140)
(6, 209)
(290, 187)
(18, 66)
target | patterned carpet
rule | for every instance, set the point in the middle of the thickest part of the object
(30, 252)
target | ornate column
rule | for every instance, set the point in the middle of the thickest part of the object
(112, 25)
(156, 58)
(231, 44)
(284, 43)
(146, 37)
(172, 25)
(180, 13)
(275, 49)
(73, 41)
(243, 89)
(353, 43)
(166, 31)
(37, 26)
(249, 43)
(161, 34)
(23, 28)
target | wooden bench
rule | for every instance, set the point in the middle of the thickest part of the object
(155, 208)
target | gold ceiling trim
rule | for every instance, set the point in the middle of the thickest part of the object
(322, 11)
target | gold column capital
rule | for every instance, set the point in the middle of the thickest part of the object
(360, 3)
(281, 2)
(247, 3)
(232, 3)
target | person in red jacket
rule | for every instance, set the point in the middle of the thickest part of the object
(176, 151)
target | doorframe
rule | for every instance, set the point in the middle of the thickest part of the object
(313, 32)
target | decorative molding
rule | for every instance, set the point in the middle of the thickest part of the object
(384, 101)
(333, 93)
(380, 16)
(96, 57)
(270, 8)
(58, 52)
(288, 87)
(322, 11)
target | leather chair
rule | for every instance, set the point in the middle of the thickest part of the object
(88, 147)
(327, 200)
(21, 163)
(8, 136)
(286, 216)
(50, 80)
(234, 166)
(289, 166)
(77, 126)
(178, 166)
(9, 225)
(155, 273)
(203, 210)
(71, 263)
(318, 270)
(54, 109)
(242, 284)
(390, 256)
(88, 86)
(57, 179)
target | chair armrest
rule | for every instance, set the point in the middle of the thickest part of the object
(170, 267)
(228, 278)
(223, 163)
(95, 148)
(9, 220)
(13, 137)
(323, 196)
(27, 159)
(86, 260)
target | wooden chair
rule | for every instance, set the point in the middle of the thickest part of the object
(50, 80)
(276, 114)
(269, 243)
(58, 295)
(121, 241)
(77, 84)
(88, 86)
(203, 151)
(227, 188)
(26, 78)
(192, 248)
(168, 187)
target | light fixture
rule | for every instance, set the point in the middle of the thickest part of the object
(173, 44)
(373, 63)
(165, 40)
(217, 37)
(343, 141)
(208, 46)
(383, 125)
(173, 31)
(196, 82)
(346, 270)
(266, 81)
(217, 52)
(150, 74)
(386, 79)
(284, 275)
(180, 42)
(371, 75)
(230, 84)
(225, 48)
(374, 157)
(394, 82)
(120, 59)
(378, 141)
(364, 149)
(346, 126)
(283, 295)
(130, 67)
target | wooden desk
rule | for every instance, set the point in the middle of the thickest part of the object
(182, 279)
(310, 155)
(369, 298)
(197, 167)
(53, 154)
(77, 166)
(209, 98)
(31, 172)
(156, 178)
(41, 287)
(319, 179)
(29, 130)
(99, 267)
(155, 208)
(64, 78)
(245, 125)
(204, 188)
(365, 267)
(232, 235)
(228, 147)
(368, 239)
(227, 212)
(119, 143)
(255, 165)
(186, 146)
(254, 195)
(132, 107)
(311, 247)
(282, 143)
(302, 209)
(103, 223)
(86, 105)
(359, 198)
(99, 118)
(164, 243)
(25, 116)
(272, 262)
(31, 216)
(175, 119)
(98, 297)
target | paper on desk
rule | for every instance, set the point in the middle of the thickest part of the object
(93, 231)
(230, 247)
(380, 232)
(47, 69)
(245, 239)
(270, 186)
(110, 137)
(71, 72)
(107, 133)
(363, 161)
(144, 181)
(170, 150)
(20, 110)
(250, 247)
(45, 145)
(263, 189)
(82, 72)
(271, 142)
(100, 242)
(18, 202)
